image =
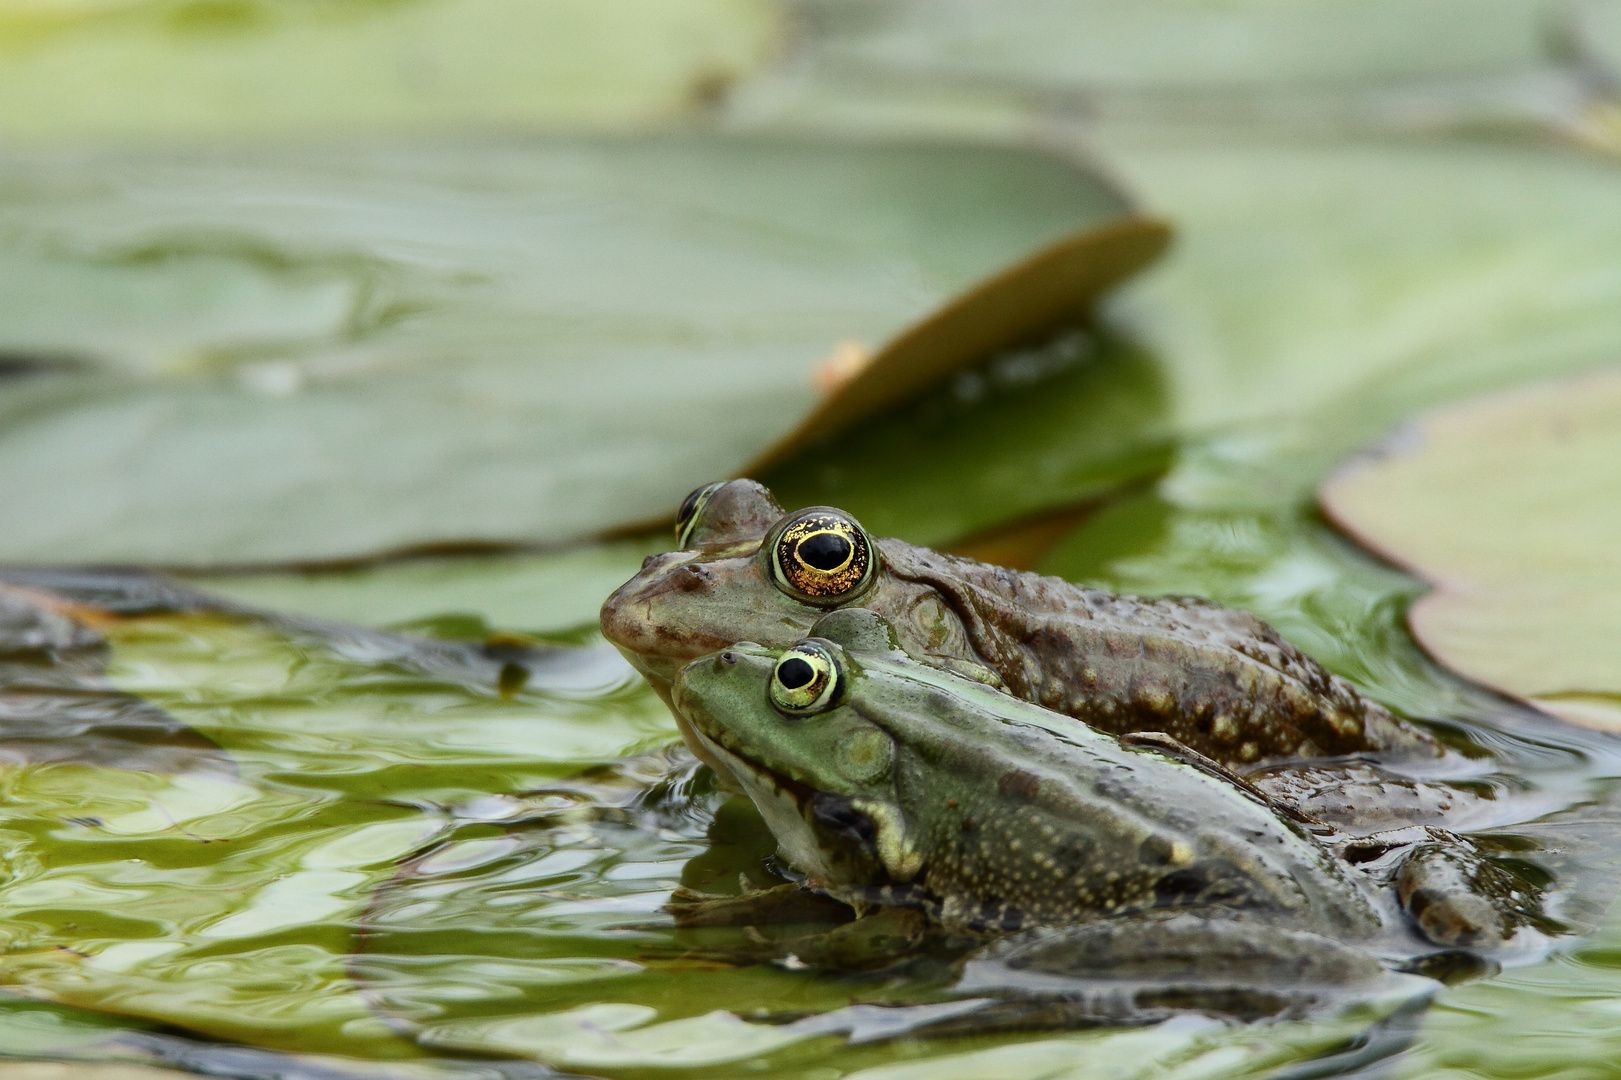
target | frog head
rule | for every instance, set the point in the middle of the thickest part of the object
(791, 728)
(744, 571)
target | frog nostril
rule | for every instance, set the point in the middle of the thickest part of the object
(728, 658)
(650, 560)
(692, 577)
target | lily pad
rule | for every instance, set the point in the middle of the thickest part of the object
(197, 68)
(1051, 286)
(1384, 65)
(1507, 505)
(1033, 435)
(1338, 285)
(1171, 43)
(369, 348)
(1318, 292)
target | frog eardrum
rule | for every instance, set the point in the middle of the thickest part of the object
(822, 556)
(806, 679)
(692, 508)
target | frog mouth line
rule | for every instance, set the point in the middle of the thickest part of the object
(801, 792)
(805, 821)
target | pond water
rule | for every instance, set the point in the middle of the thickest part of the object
(416, 820)
(424, 822)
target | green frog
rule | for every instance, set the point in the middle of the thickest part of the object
(894, 784)
(1220, 682)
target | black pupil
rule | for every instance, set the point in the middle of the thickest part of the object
(794, 673)
(824, 551)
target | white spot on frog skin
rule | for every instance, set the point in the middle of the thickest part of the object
(896, 850)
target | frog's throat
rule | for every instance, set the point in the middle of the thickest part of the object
(787, 808)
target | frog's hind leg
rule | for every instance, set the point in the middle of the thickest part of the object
(1459, 900)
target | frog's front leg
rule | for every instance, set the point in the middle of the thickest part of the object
(791, 903)
(883, 938)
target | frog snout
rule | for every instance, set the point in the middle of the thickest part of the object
(726, 659)
(638, 616)
(694, 688)
(703, 677)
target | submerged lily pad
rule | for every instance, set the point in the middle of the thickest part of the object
(1508, 506)
(226, 904)
(57, 707)
(450, 343)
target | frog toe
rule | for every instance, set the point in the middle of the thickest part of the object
(1457, 899)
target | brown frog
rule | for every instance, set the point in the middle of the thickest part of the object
(1218, 681)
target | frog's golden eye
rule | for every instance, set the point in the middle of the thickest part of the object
(686, 518)
(823, 557)
(806, 679)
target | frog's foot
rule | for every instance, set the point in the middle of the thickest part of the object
(1170, 747)
(1459, 900)
(888, 936)
(1360, 798)
(1143, 968)
(800, 927)
(784, 904)
(968, 669)
(884, 939)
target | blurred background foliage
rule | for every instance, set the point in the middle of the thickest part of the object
(354, 253)
(238, 69)
(289, 286)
